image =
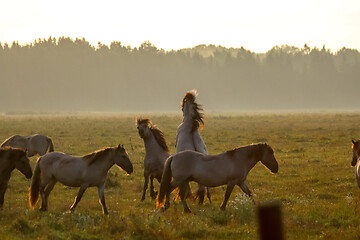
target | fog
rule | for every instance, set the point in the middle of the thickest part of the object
(66, 75)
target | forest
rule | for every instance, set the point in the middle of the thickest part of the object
(66, 75)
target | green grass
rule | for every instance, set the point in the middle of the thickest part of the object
(315, 184)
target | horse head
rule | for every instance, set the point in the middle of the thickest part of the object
(22, 162)
(356, 151)
(269, 160)
(143, 126)
(191, 108)
(123, 160)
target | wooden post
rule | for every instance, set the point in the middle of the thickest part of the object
(270, 222)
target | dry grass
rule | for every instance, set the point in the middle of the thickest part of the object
(315, 183)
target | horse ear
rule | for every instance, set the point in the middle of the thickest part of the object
(119, 146)
(265, 144)
(353, 141)
(122, 145)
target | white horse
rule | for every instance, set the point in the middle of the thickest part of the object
(231, 168)
(355, 159)
(34, 144)
(156, 152)
(188, 136)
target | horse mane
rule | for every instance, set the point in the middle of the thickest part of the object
(254, 150)
(198, 118)
(160, 138)
(11, 150)
(92, 157)
(158, 134)
(140, 120)
(355, 146)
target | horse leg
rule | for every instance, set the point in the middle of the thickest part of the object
(146, 183)
(152, 192)
(3, 187)
(43, 184)
(229, 189)
(173, 185)
(48, 190)
(102, 199)
(201, 193)
(208, 194)
(78, 197)
(183, 197)
(246, 190)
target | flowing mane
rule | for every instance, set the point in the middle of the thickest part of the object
(198, 117)
(158, 134)
(254, 150)
(11, 150)
(92, 157)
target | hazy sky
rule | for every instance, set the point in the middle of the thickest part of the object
(257, 25)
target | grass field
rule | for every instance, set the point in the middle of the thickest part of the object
(315, 184)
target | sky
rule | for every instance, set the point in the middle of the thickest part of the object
(256, 25)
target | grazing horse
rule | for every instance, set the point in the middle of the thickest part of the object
(229, 168)
(355, 159)
(34, 144)
(87, 171)
(11, 158)
(188, 136)
(156, 152)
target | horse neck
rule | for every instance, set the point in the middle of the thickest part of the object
(248, 161)
(7, 166)
(187, 116)
(152, 146)
(105, 162)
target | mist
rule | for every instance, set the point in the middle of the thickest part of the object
(66, 75)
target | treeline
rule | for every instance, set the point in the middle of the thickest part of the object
(61, 75)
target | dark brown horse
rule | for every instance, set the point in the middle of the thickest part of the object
(11, 158)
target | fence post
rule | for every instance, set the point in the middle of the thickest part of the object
(270, 221)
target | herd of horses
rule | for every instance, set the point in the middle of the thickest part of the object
(191, 162)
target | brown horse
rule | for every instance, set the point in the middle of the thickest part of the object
(87, 171)
(355, 159)
(11, 158)
(229, 168)
(156, 152)
(34, 144)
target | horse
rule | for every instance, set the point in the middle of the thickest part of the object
(355, 159)
(87, 171)
(34, 144)
(231, 168)
(156, 152)
(188, 136)
(11, 158)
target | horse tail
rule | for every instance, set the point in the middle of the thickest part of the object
(34, 190)
(165, 182)
(50, 144)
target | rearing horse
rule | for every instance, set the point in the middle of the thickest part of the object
(188, 136)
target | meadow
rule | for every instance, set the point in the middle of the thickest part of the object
(315, 183)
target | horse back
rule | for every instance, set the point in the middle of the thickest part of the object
(15, 141)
